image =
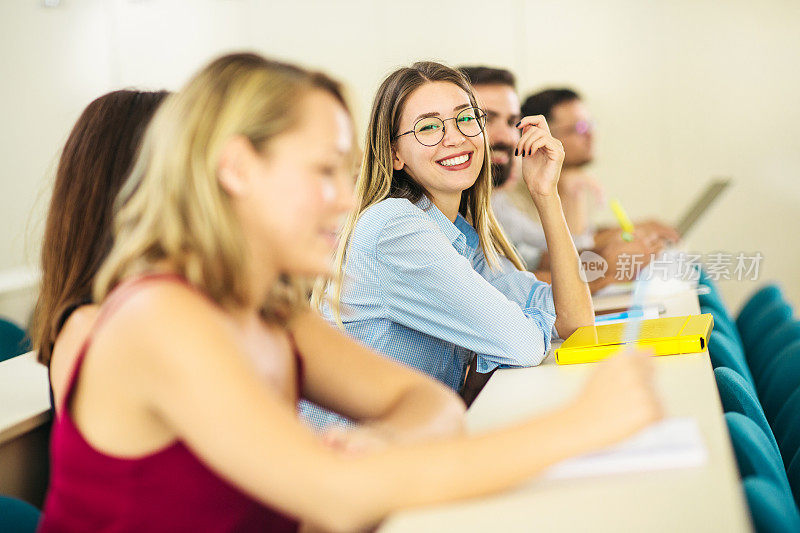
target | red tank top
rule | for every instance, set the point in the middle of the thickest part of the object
(168, 490)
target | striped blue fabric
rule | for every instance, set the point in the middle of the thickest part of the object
(417, 288)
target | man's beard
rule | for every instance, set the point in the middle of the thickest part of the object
(501, 172)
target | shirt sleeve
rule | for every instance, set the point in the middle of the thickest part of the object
(319, 418)
(429, 287)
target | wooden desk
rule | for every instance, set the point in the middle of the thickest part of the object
(24, 434)
(708, 498)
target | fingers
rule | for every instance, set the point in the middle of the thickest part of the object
(527, 138)
(621, 396)
(534, 120)
(635, 373)
(535, 139)
(663, 231)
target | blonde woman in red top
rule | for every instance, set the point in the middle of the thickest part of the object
(243, 178)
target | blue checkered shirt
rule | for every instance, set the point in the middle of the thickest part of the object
(417, 288)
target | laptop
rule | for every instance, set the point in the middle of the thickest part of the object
(701, 205)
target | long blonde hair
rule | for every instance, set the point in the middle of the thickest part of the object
(378, 180)
(173, 208)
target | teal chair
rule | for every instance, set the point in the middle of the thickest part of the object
(772, 510)
(725, 352)
(738, 396)
(764, 322)
(17, 516)
(787, 427)
(722, 323)
(13, 340)
(794, 477)
(762, 297)
(713, 301)
(776, 340)
(780, 380)
(753, 451)
(703, 279)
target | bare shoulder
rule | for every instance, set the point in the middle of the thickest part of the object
(76, 329)
(68, 345)
(163, 303)
(160, 317)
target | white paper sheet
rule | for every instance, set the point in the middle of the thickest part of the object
(671, 443)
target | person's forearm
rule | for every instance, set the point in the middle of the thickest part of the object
(423, 412)
(372, 486)
(576, 211)
(571, 295)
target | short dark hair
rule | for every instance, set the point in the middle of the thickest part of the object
(489, 76)
(543, 102)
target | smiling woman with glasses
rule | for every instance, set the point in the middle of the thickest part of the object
(425, 273)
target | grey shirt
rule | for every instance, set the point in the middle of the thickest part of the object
(525, 232)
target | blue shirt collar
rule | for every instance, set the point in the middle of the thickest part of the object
(461, 235)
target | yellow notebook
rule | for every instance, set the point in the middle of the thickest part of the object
(664, 336)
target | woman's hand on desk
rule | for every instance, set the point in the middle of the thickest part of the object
(619, 399)
(627, 258)
(648, 231)
(659, 230)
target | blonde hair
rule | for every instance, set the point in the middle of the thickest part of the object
(378, 180)
(173, 208)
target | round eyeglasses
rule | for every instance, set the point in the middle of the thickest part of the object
(429, 131)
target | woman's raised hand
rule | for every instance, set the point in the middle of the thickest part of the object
(542, 156)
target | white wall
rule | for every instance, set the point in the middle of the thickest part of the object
(681, 90)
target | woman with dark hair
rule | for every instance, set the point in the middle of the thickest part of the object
(93, 166)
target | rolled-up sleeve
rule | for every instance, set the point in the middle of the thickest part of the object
(428, 286)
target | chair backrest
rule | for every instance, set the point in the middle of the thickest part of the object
(772, 510)
(754, 451)
(787, 427)
(714, 301)
(17, 516)
(704, 279)
(738, 396)
(763, 322)
(13, 340)
(722, 323)
(764, 295)
(776, 340)
(725, 352)
(780, 379)
(794, 476)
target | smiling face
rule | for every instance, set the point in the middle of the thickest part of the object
(298, 189)
(451, 166)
